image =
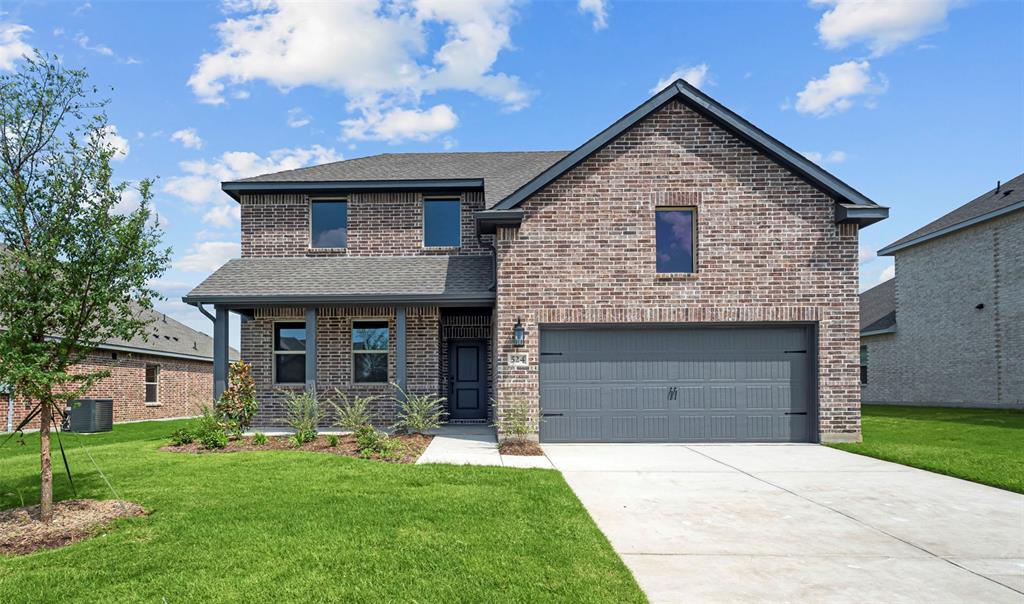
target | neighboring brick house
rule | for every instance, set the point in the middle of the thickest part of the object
(165, 375)
(680, 277)
(949, 328)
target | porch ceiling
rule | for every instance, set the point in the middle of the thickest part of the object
(347, 280)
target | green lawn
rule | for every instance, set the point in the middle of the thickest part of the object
(983, 445)
(291, 526)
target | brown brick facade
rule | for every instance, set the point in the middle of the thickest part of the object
(768, 250)
(334, 357)
(379, 224)
(184, 386)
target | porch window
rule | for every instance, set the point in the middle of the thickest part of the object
(328, 223)
(864, 365)
(152, 384)
(370, 352)
(290, 353)
(674, 230)
(442, 223)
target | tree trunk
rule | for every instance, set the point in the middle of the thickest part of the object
(46, 467)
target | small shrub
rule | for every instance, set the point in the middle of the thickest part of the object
(373, 444)
(303, 414)
(182, 436)
(259, 439)
(352, 414)
(418, 412)
(238, 405)
(332, 440)
(208, 431)
(517, 420)
(367, 437)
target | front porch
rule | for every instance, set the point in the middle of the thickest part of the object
(363, 350)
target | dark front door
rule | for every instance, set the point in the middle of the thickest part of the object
(467, 379)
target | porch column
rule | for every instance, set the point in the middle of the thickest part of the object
(220, 352)
(400, 366)
(311, 350)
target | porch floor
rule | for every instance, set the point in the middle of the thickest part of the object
(475, 445)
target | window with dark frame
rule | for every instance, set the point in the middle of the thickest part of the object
(370, 352)
(674, 232)
(328, 223)
(442, 223)
(864, 365)
(290, 353)
(152, 383)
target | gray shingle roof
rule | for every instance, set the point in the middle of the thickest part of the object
(1010, 193)
(166, 335)
(878, 307)
(502, 172)
(348, 279)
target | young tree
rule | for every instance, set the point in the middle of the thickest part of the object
(74, 270)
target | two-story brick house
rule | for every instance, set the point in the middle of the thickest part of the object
(682, 276)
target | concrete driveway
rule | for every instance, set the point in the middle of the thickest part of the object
(797, 523)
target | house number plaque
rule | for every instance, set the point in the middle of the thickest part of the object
(518, 359)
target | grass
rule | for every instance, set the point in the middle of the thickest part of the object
(296, 526)
(981, 445)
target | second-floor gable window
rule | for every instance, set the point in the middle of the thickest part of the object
(442, 223)
(328, 223)
(674, 230)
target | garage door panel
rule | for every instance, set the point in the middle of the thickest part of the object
(675, 384)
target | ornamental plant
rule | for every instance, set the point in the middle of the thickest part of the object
(238, 405)
(418, 413)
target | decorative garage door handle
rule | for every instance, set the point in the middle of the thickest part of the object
(551, 415)
(796, 413)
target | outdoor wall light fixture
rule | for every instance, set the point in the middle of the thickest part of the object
(518, 333)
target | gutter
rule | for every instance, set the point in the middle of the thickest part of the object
(878, 332)
(232, 302)
(895, 247)
(236, 188)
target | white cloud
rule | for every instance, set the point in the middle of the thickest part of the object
(12, 47)
(396, 125)
(207, 256)
(866, 254)
(114, 140)
(225, 215)
(83, 41)
(835, 91)
(297, 118)
(130, 200)
(833, 157)
(201, 182)
(377, 53)
(597, 8)
(888, 273)
(882, 25)
(694, 75)
(188, 137)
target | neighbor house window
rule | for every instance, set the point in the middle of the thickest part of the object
(674, 231)
(328, 223)
(370, 351)
(152, 383)
(289, 353)
(442, 224)
(863, 364)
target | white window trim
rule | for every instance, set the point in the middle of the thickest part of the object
(146, 384)
(693, 244)
(275, 351)
(423, 221)
(309, 230)
(354, 352)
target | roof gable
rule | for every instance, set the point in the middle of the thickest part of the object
(878, 308)
(816, 176)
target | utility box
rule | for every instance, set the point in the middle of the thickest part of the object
(90, 415)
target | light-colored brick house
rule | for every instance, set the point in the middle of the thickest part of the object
(166, 374)
(682, 276)
(949, 328)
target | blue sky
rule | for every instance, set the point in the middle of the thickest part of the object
(920, 105)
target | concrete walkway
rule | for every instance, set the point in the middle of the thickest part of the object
(797, 523)
(475, 445)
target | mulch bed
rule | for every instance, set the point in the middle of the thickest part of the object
(73, 520)
(415, 444)
(520, 447)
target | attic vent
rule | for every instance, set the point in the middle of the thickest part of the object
(195, 346)
(1007, 192)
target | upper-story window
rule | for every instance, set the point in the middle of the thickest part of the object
(442, 223)
(674, 231)
(328, 223)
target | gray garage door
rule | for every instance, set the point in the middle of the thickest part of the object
(748, 384)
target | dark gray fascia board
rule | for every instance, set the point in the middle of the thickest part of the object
(860, 214)
(488, 221)
(711, 108)
(890, 249)
(236, 188)
(878, 332)
(475, 299)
